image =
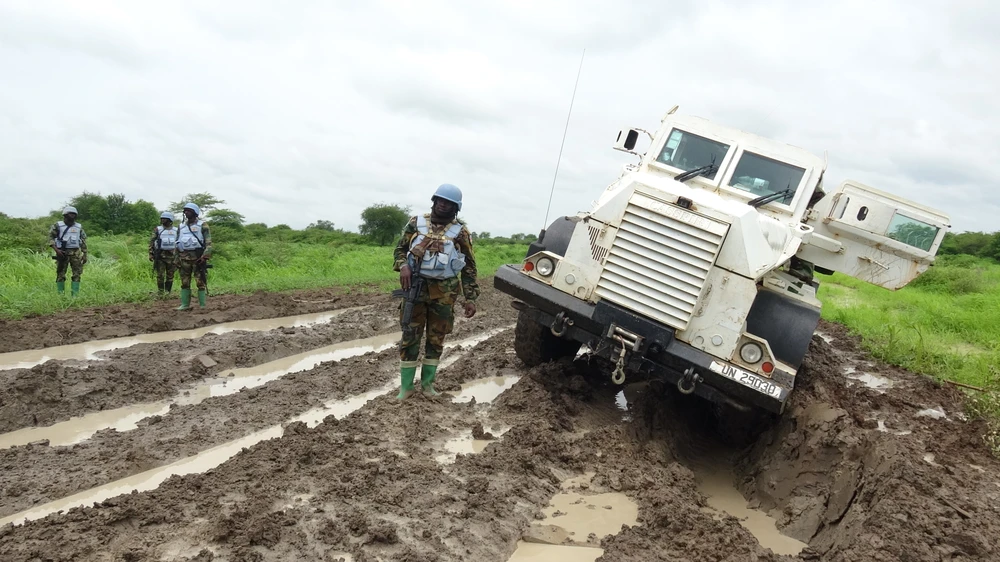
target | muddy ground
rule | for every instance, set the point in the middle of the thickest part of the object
(98, 323)
(863, 466)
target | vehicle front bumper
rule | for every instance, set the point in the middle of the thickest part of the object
(659, 354)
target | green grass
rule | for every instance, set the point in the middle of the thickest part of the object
(118, 271)
(945, 324)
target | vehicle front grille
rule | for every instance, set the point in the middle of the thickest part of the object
(660, 259)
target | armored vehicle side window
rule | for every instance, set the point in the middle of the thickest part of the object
(763, 176)
(688, 152)
(912, 232)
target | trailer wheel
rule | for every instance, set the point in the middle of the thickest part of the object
(534, 344)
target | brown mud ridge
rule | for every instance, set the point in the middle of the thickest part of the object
(98, 323)
(858, 473)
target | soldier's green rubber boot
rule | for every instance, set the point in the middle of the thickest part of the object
(202, 294)
(406, 375)
(61, 287)
(74, 288)
(185, 299)
(427, 375)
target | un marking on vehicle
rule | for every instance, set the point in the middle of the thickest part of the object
(747, 379)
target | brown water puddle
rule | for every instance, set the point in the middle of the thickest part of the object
(580, 519)
(723, 497)
(88, 351)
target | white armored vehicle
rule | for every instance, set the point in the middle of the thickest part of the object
(695, 265)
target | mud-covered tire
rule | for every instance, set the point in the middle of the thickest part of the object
(534, 344)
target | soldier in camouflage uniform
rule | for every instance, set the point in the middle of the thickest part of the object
(439, 241)
(163, 253)
(194, 246)
(69, 241)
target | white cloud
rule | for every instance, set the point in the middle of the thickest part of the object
(315, 110)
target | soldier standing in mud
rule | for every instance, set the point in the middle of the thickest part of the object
(163, 253)
(194, 244)
(434, 250)
(69, 241)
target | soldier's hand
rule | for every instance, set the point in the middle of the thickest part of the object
(470, 309)
(59, 252)
(150, 258)
(84, 260)
(404, 277)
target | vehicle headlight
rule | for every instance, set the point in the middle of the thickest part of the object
(545, 267)
(751, 352)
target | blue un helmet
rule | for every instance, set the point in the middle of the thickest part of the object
(194, 208)
(449, 192)
(167, 215)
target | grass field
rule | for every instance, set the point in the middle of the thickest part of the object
(119, 271)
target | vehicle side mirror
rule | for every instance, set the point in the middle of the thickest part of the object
(626, 140)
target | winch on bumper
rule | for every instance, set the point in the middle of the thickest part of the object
(650, 348)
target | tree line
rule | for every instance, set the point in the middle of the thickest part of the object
(114, 214)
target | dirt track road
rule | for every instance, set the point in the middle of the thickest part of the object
(287, 444)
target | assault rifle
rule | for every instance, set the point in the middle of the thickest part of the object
(410, 296)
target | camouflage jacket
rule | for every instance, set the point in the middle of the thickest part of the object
(447, 289)
(54, 235)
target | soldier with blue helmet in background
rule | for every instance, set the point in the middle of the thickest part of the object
(163, 253)
(434, 253)
(194, 244)
(69, 241)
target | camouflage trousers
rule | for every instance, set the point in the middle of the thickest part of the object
(187, 265)
(438, 319)
(165, 267)
(73, 259)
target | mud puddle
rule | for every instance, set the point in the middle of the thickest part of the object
(486, 389)
(724, 498)
(78, 429)
(88, 351)
(574, 523)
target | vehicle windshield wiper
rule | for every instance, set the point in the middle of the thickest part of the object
(765, 199)
(697, 172)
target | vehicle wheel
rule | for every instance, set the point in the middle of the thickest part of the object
(534, 344)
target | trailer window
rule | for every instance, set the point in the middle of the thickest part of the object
(688, 151)
(761, 175)
(912, 232)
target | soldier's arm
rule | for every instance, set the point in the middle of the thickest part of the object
(208, 240)
(152, 243)
(53, 234)
(403, 246)
(470, 287)
(83, 243)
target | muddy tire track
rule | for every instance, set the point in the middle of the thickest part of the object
(58, 390)
(81, 325)
(36, 474)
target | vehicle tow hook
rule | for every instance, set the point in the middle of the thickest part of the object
(560, 324)
(618, 375)
(686, 384)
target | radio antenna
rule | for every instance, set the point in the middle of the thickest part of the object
(563, 143)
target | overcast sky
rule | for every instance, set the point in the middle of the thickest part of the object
(315, 110)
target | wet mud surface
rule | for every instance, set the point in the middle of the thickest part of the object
(856, 469)
(98, 323)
